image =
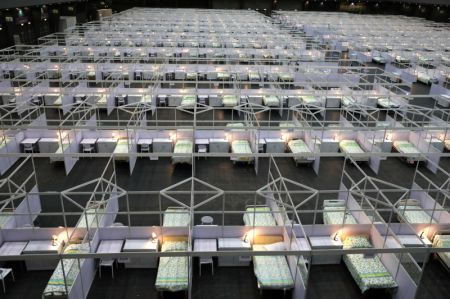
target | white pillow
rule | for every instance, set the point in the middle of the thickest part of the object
(275, 246)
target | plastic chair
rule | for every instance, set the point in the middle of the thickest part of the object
(205, 261)
(106, 263)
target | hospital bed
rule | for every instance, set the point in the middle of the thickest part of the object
(447, 144)
(426, 78)
(222, 76)
(351, 147)
(405, 147)
(286, 124)
(65, 274)
(121, 150)
(348, 102)
(379, 59)
(387, 103)
(335, 212)
(243, 149)
(62, 147)
(230, 101)
(412, 212)
(173, 274)
(271, 101)
(299, 148)
(182, 146)
(401, 59)
(253, 77)
(54, 100)
(102, 101)
(441, 239)
(311, 101)
(259, 215)
(176, 217)
(188, 102)
(272, 272)
(367, 270)
(191, 76)
(284, 77)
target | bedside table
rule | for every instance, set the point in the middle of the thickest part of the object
(230, 244)
(325, 242)
(141, 245)
(415, 241)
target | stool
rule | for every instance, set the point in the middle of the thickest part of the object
(207, 220)
(106, 263)
(204, 261)
(3, 273)
(27, 148)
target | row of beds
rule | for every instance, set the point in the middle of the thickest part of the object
(368, 271)
(243, 150)
(191, 101)
(272, 272)
(352, 147)
(298, 147)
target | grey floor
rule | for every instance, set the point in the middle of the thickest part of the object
(155, 175)
(325, 281)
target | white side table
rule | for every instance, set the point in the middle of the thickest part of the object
(325, 242)
(141, 245)
(230, 244)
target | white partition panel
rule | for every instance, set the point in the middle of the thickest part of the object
(67, 103)
(110, 103)
(429, 204)
(406, 285)
(74, 138)
(11, 145)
